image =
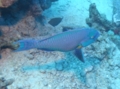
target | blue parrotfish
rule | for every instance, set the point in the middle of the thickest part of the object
(71, 40)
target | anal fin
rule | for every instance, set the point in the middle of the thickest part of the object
(79, 54)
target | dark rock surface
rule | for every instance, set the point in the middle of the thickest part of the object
(99, 21)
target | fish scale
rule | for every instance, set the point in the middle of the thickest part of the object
(65, 41)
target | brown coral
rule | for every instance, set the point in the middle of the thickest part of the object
(6, 3)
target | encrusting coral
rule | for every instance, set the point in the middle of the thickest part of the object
(16, 10)
(4, 83)
(99, 21)
(6, 3)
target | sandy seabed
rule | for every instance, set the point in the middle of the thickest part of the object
(36, 69)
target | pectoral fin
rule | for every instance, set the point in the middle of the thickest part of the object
(79, 54)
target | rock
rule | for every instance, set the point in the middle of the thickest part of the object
(31, 9)
(1, 32)
(97, 20)
(45, 4)
(116, 10)
(89, 69)
(6, 3)
(4, 83)
(29, 56)
(59, 66)
(110, 33)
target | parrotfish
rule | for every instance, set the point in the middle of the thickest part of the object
(72, 40)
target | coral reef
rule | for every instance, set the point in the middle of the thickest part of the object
(11, 30)
(1, 33)
(4, 83)
(96, 20)
(6, 3)
(116, 12)
(36, 69)
(99, 21)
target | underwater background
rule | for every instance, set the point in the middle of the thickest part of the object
(41, 69)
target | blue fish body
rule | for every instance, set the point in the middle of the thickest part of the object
(64, 42)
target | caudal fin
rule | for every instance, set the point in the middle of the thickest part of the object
(25, 44)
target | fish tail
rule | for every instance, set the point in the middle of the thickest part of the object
(25, 44)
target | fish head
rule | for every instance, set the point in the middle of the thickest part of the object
(91, 37)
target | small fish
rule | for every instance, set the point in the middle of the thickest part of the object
(55, 21)
(64, 42)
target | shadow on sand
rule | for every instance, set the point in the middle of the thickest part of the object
(69, 64)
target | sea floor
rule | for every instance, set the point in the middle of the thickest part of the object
(36, 69)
